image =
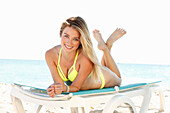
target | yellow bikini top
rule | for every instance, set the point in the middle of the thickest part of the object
(71, 75)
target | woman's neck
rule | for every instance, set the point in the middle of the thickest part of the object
(69, 56)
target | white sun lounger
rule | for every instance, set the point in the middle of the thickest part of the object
(82, 100)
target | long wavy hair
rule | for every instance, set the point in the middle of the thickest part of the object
(80, 25)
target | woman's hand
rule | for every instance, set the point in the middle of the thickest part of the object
(58, 87)
(51, 92)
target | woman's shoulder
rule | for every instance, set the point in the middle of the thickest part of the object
(84, 59)
(53, 52)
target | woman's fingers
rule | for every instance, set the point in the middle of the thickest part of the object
(50, 89)
(56, 88)
(51, 92)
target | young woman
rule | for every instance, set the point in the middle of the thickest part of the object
(74, 65)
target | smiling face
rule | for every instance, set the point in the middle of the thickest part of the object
(70, 39)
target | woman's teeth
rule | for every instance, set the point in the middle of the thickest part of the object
(68, 47)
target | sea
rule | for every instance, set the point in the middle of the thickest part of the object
(36, 72)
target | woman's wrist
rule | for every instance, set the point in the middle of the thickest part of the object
(66, 88)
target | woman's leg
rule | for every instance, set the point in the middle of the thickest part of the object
(118, 33)
(107, 58)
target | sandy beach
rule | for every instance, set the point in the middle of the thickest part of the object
(7, 107)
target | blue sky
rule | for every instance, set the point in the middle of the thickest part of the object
(29, 28)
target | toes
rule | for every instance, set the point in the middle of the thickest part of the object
(121, 30)
(95, 31)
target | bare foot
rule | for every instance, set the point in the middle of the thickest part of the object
(118, 33)
(98, 37)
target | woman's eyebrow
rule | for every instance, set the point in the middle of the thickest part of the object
(74, 37)
(66, 33)
(77, 37)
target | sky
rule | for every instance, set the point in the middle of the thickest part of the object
(28, 28)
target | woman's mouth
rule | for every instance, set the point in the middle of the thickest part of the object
(68, 47)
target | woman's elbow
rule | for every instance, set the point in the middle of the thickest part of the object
(119, 81)
(76, 89)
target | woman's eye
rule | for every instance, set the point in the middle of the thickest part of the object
(76, 39)
(66, 36)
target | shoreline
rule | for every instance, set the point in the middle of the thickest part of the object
(7, 107)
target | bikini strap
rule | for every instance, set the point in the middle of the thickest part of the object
(60, 72)
(59, 57)
(76, 58)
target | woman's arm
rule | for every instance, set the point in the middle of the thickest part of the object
(85, 69)
(51, 57)
(53, 89)
(58, 87)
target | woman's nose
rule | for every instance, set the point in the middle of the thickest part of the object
(69, 41)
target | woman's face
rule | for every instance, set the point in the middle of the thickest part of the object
(70, 39)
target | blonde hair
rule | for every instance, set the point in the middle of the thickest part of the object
(86, 44)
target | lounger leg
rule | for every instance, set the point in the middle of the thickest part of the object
(81, 110)
(37, 108)
(77, 110)
(74, 110)
(18, 107)
(146, 100)
(162, 101)
(115, 101)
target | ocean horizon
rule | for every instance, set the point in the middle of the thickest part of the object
(36, 72)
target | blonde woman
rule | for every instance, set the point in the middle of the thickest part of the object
(74, 65)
